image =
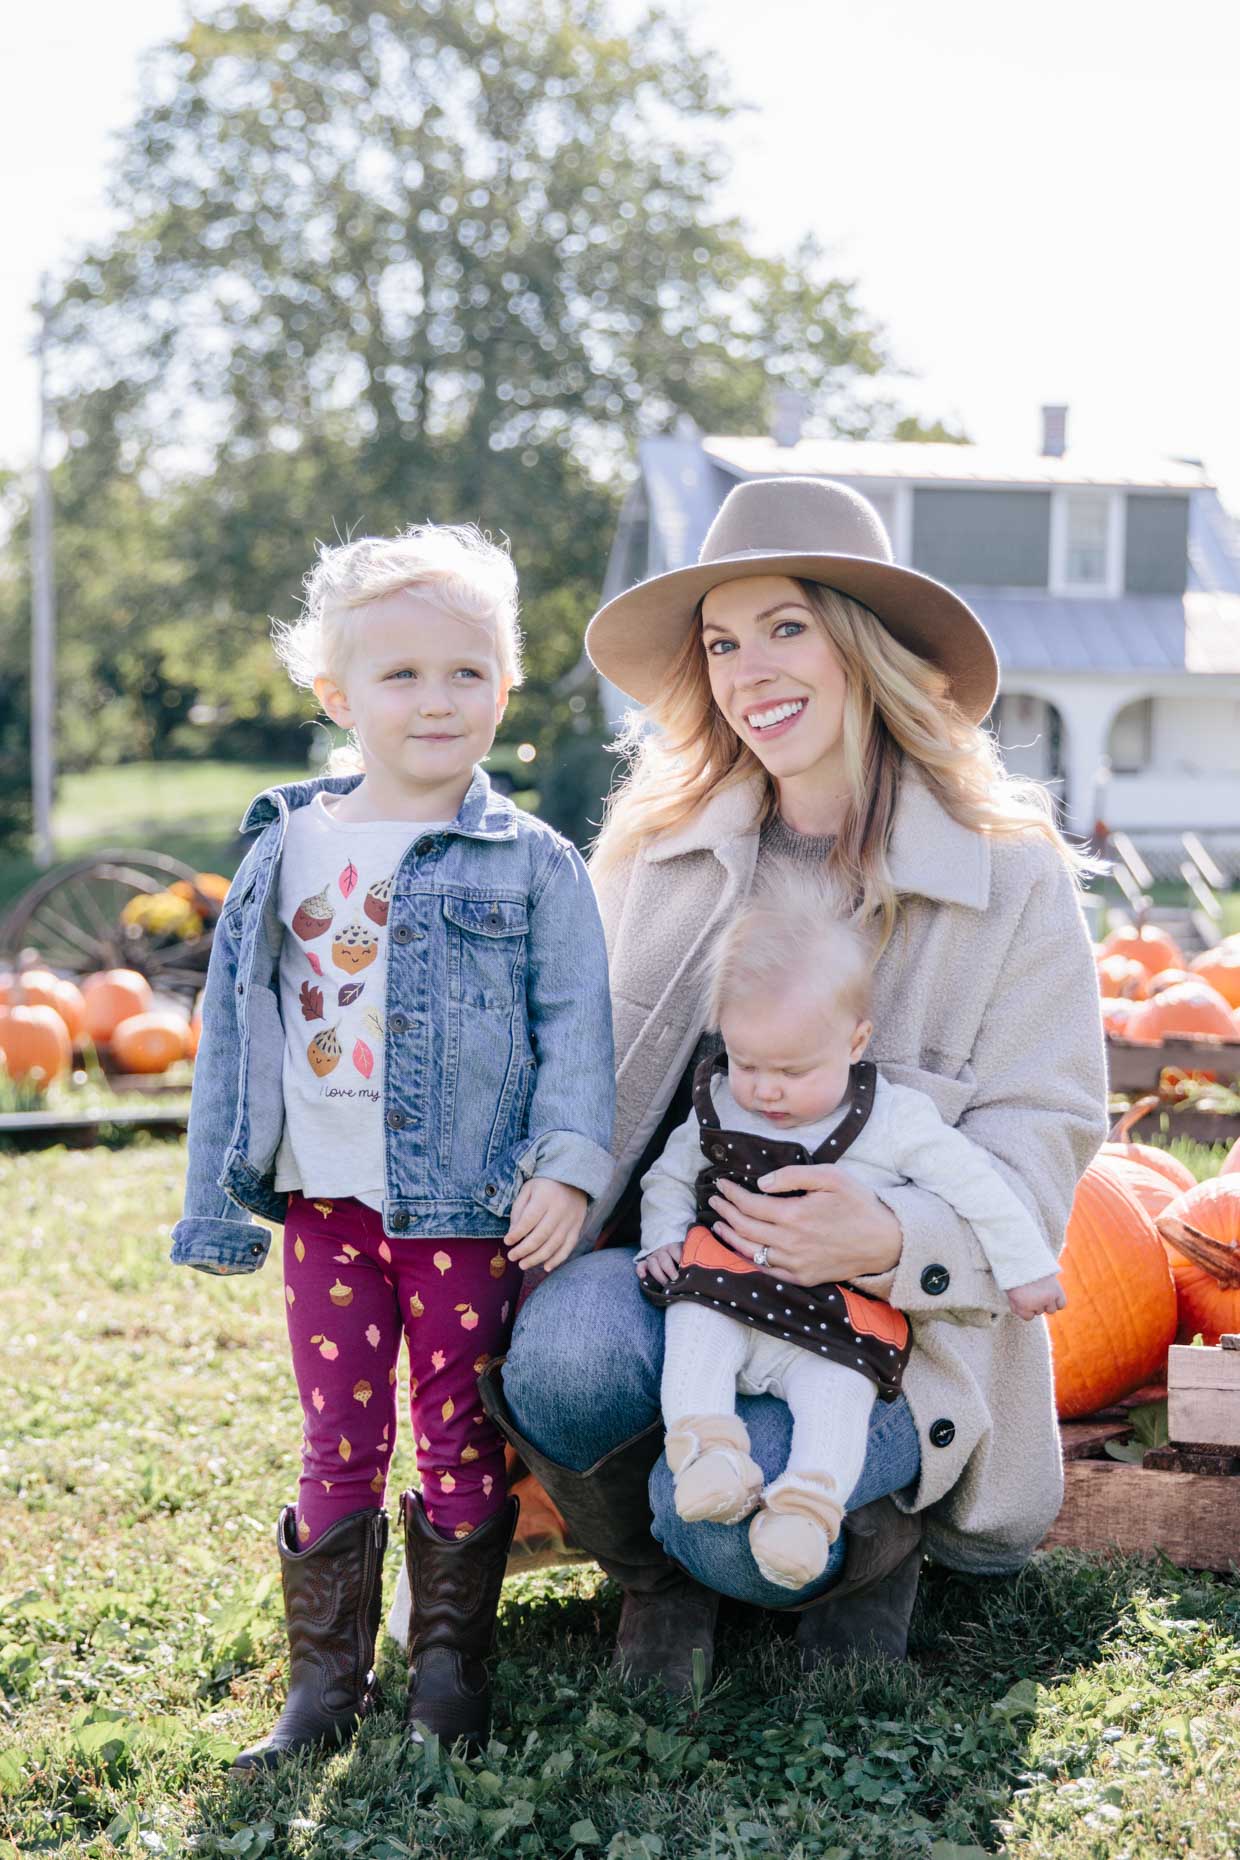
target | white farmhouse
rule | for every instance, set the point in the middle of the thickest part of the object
(1110, 588)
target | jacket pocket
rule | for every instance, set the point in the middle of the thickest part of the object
(486, 950)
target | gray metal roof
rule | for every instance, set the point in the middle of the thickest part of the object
(1048, 633)
(758, 456)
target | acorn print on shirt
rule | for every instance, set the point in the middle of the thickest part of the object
(323, 1053)
(377, 900)
(355, 947)
(313, 916)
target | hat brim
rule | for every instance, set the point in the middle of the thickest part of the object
(634, 640)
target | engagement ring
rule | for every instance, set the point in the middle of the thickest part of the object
(761, 1256)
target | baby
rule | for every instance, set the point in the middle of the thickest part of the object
(791, 996)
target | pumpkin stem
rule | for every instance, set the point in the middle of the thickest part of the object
(1220, 1258)
(1132, 1116)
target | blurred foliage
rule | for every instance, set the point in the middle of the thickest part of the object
(385, 262)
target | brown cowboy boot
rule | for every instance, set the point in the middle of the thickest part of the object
(331, 1606)
(665, 1616)
(454, 1587)
(867, 1612)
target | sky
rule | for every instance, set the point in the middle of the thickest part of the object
(1039, 204)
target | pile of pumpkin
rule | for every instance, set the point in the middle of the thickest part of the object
(45, 1018)
(1150, 993)
(1152, 1258)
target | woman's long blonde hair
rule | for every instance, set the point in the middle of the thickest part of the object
(897, 712)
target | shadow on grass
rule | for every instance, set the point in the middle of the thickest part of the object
(866, 1760)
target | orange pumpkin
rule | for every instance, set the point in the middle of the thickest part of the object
(1117, 975)
(1151, 1188)
(149, 1042)
(1149, 946)
(40, 988)
(1117, 1011)
(1167, 978)
(1113, 1334)
(34, 1040)
(112, 996)
(1231, 1162)
(1220, 969)
(1186, 1011)
(1163, 1162)
(1201, 1232)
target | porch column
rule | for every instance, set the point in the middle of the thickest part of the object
(1087, 721)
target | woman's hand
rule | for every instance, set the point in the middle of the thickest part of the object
(838, 1229)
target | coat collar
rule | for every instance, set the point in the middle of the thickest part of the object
(929, 855)
(484, 814)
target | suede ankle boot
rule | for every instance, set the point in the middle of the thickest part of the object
(331, 1607)
(867, 1612)
(665, 1616)
(455, 1585)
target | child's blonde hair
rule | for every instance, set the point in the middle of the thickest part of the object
(790, 932)
(452, 564)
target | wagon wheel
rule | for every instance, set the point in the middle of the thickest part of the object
(72, 917)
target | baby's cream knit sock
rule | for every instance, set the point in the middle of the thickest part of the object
(714, 1476)
(791, 1536)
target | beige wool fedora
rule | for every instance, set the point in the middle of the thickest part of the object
(811, 529)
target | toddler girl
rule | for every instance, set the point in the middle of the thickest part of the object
(791, 990)
(406, 1058)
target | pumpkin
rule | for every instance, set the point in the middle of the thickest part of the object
(149, 1042)
(112, 996)
(1166, 978)
(1117, 975)
(1151, 1188)
(34, 1040)
(1186, 1011)
(40, 988)
(1201, 1232)
(1113, 1334)
(1118, 1143)
(1220, 969)
(1149, 946)
(1117, 1011)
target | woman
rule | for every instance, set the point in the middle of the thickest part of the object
(816, 703)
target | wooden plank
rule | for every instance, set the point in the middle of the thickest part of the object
(1191, 1457)
(1192, 1366)
(1131, 1067)
(1208, 1415)
(1086, 1440)
(1193, 1518)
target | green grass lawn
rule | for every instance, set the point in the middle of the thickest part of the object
(1082, 1709)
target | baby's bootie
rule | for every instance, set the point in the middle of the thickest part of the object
(791, 1536)
(714, 1478)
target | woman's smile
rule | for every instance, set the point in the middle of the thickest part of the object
(775, 719)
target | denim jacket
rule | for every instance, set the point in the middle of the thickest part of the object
(498, 1041)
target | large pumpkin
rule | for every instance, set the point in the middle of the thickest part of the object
(1220, 968)
(1186, 1011)
(1151, 1188)
(112, 996)
(1149, 946)
(1201, 1231)
(1113, 1334)
(149, 1042)
(34, 1041)
(1119, 975)
(40, 988)
(1119, 1143)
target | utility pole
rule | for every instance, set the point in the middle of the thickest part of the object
(42, 618)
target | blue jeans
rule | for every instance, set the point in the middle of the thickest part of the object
(582, 1377)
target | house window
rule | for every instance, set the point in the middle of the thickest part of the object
(1132, 737)
(1087, 542)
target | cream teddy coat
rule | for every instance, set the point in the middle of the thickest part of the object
(985, 999)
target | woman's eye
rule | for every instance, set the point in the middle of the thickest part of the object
(717, 647)
(789, 628)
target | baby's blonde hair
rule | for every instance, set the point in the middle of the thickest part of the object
(452, 564)
(790, 932)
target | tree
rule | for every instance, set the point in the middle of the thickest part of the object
(387, 260)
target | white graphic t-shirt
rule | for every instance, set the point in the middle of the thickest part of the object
(334, 897)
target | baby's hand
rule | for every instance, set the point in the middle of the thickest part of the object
(1030, 1301)
(545, 1222)
(662, 1265)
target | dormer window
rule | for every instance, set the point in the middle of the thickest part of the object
(1087, 542)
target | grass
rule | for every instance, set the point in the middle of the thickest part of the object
(1081, 1709)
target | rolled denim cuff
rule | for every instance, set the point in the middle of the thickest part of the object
(566, 1156)
(219, 1246)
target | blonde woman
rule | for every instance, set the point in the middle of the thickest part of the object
(812, 701)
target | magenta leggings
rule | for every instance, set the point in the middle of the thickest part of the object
(349, 1291)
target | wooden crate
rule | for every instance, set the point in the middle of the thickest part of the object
(1194, 1518)
(1133, 1067)
(1203, 1395)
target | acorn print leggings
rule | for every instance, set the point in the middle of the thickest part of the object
(349, 1291)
